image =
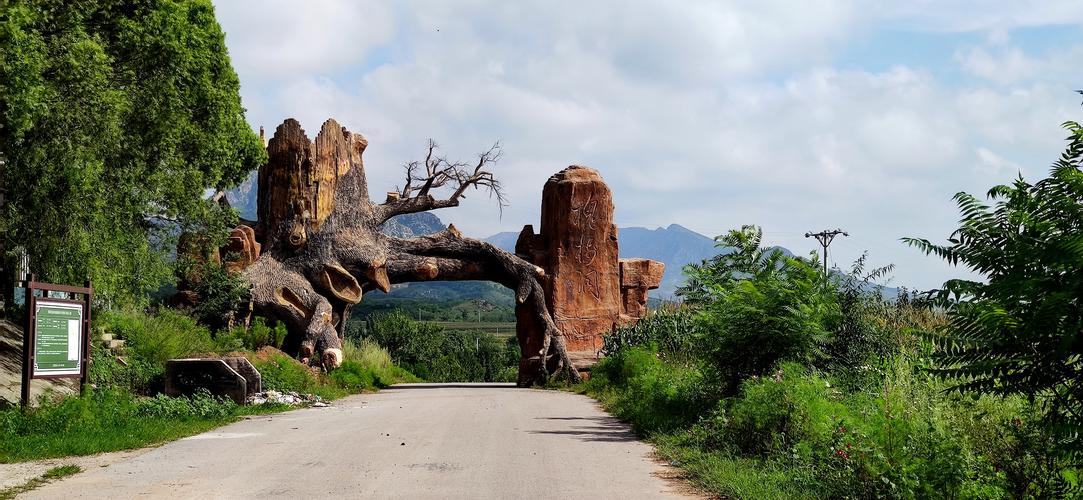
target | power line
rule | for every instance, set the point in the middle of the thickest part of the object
(825, 237)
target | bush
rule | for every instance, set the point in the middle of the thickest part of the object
(202, 405)
(259, 335)
(219, 291)
(280, 372)
(777, 340)
(908, 439)
(776, 315)
(364, 368)
(106, 420)
(155, 338)
(669, 332)
(439, 355)
(653, 395)
(1017, 329)
(758, 307)
(134, 375)
(150, 340)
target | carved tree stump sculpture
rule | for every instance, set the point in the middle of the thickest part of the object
(321, 247)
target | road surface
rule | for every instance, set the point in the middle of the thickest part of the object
(408, 441)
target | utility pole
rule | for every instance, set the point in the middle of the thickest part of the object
(825, 237)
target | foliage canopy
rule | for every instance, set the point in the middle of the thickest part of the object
(115, 118)
(1020, 331)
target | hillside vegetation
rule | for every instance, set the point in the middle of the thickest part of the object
(438, 354)
(123, 406)
(772, 382)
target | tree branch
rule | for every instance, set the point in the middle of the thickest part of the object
(449, 256)
(440, 172)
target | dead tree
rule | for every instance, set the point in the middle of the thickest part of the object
(322, 248)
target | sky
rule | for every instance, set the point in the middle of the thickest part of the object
(794, 116)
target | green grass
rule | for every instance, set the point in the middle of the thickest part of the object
(117, 417)
(736, 477)
(111, 420)
(49, 476)
(795, 434)
(366, 367)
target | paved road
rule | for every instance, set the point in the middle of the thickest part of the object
(409, 441)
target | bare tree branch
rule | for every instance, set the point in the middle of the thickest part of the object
(440, 172)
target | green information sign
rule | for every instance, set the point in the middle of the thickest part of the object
(58, 338)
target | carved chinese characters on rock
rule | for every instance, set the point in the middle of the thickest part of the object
(577, 247)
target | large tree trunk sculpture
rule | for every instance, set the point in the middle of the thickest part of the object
(322, 248)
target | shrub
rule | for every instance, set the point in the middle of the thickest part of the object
(439, 355)
(134, 374)
(282, 373)
(105, 420)
(219, 291)
(354, 377)
(653, 395)
(858, 339)
(155, 338)
(202, 405)
(259, 335)
(774, 414)
(670, 332)
(778, 315)
(1017, 330)
(758, 307)
(150, 340)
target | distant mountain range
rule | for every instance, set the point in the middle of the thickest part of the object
(675, 246)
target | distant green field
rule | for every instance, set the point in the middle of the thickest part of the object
(499, 329)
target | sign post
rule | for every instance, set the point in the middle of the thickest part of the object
(56, 336)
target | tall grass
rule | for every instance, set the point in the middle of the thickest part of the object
(109, 420)
(780, 384)
(365, 367)
(123, 409)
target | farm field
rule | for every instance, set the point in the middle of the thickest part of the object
(499, 329)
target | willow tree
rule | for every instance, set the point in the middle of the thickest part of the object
(321, 247)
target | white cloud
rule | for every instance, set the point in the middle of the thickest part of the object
(282, 39)
(1009, 65)
(707, 115)
(995, 164)
(977, 15)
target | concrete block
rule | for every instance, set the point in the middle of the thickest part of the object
(184, 377)
(244, 368)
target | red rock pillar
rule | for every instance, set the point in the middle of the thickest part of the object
(577, 248)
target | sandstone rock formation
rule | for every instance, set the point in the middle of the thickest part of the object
(589, 290)
(636, 277)
(241, 249)
(317, 247)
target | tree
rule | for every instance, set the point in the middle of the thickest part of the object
(1020, 329)
(115, 117)
(758, 307)
(321, 247)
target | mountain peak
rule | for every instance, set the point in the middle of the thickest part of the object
(680, 228)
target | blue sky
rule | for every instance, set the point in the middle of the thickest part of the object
(794, 116)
